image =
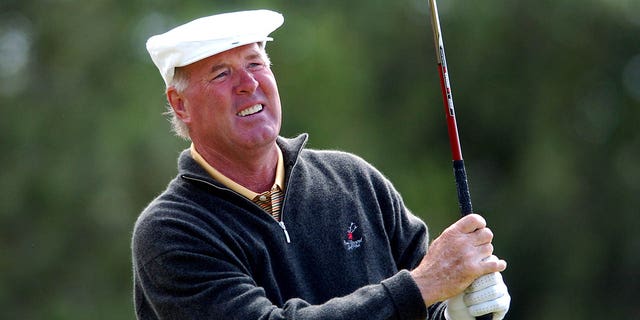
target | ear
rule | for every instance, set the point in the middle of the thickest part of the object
(177, 102)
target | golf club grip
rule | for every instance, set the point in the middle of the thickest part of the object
(464, 200)
(462, 186)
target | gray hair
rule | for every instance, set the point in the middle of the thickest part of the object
(180, 82)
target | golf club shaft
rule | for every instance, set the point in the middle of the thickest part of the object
(464, 198)
(462, 186)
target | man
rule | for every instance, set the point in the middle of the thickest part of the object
(255, 226)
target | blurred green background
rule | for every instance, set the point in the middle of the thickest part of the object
(548, 101)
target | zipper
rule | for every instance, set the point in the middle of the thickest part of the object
(284, 200)
(286, 233)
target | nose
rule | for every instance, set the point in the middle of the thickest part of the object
(247, 83)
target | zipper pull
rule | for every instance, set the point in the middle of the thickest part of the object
(286, 234)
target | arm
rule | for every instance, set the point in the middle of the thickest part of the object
(410, 241)
(453, 261)
(189, 285)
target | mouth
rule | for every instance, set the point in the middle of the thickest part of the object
(251, 110)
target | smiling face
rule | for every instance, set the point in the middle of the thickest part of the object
(231, 102)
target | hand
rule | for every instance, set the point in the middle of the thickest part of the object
(486, 295)
(455, 259)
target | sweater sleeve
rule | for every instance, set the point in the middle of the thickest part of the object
(188, 285)
(409, 237)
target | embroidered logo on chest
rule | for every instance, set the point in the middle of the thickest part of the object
(352, 241)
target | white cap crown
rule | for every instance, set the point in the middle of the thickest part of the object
(207, 36)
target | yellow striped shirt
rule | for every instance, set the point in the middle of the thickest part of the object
(270, 200)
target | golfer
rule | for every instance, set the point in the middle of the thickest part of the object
(257, 226)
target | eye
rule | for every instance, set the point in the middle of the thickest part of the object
(255, 65)
(221, 75)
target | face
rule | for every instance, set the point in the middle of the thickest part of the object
(231, 103)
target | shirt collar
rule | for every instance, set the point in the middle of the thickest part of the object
(227, 182)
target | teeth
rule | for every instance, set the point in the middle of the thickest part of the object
(251, 110)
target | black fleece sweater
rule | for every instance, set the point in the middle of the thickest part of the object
(342, 250)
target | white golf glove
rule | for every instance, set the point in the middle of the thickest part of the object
(487, 294)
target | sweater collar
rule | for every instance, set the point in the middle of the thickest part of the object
(290, 147)
(233, 185)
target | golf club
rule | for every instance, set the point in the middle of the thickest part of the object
(462, 186)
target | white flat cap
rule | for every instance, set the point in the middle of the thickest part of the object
(207, 36)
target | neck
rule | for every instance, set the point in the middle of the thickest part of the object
(255, 170)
